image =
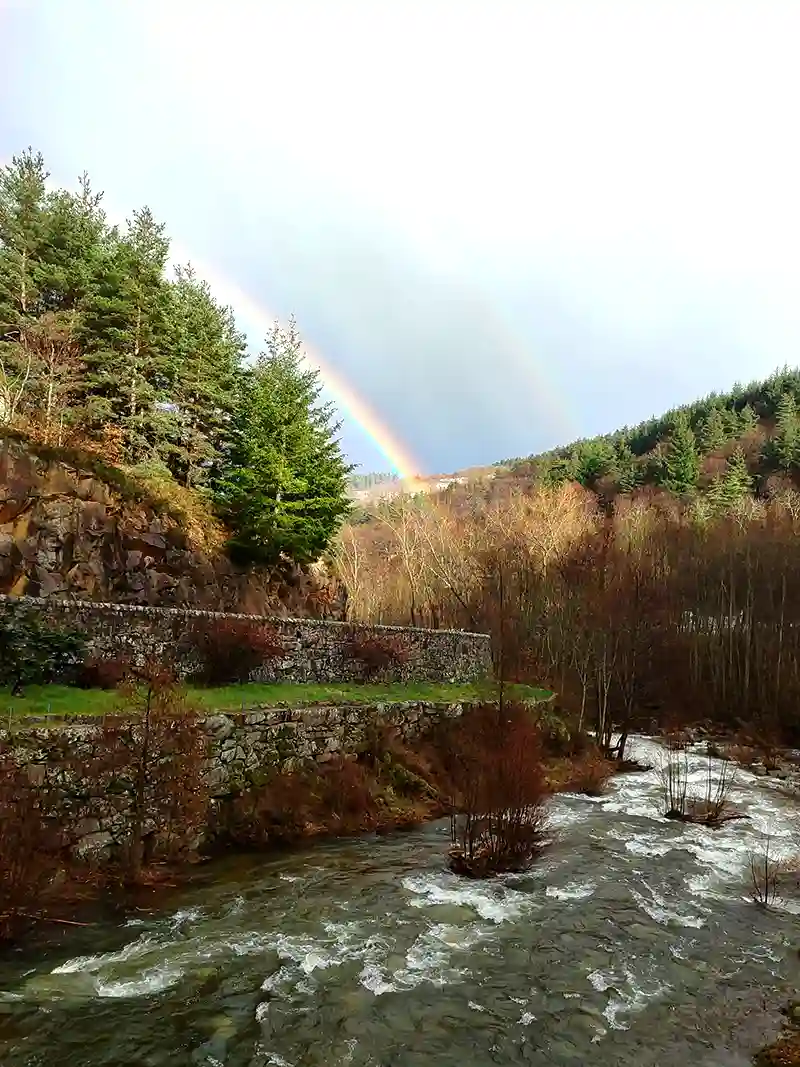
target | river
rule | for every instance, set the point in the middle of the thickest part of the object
(632, 942)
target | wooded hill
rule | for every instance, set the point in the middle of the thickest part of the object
(720, 448)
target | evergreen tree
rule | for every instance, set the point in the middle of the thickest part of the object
(680, 467)
(712, 433)
(207, 351)
(629, 475)
(785, 444)
(735, 484)
(748, 420)
(284, 490)
(22, 239)
(124, 325)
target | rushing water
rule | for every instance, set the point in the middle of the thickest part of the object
(633, 941)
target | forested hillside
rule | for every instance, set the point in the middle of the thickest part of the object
(720, 448)
(106, 351)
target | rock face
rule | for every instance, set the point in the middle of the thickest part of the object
(65, 532)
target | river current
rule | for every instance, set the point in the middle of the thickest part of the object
(633, 941)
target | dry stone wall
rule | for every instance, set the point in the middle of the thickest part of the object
(243, 750)
(316, 650)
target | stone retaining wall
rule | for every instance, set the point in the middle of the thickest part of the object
(316, 650)
(243, 750)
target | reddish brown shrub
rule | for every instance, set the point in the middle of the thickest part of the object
(98, 673)
(590, 775)
(377, 653)
(30, 846)
(230, 650)
(496, 768)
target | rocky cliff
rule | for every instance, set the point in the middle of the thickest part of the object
(72, 527)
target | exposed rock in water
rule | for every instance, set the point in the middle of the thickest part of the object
(66, 531)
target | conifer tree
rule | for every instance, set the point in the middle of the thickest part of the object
(207, 350)
(735, 484)
(712, 434)
(22, 239)
(124, 328)
(680, 468)
(284, 490)
(785, 445)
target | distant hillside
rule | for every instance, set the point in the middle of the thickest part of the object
(725, 445)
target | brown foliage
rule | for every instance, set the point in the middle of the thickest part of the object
(30, 845)
(377, 653)
(147, 766)
(100, 673)
(499, 791)
(590, 775)
(653, 612)
(230, 650)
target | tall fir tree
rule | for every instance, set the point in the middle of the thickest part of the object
(713, 432)
(284, 490)
(734, 485)
(124, 325)
(681, 466)
(785, 445)
(208, 352)
(23, 229)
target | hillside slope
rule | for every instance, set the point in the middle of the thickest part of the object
(726, 444)
(72, 526)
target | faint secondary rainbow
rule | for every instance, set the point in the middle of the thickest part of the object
(261, 319)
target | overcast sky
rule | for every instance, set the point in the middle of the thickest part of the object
(506, 223)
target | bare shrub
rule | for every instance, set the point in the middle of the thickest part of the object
(30, 845)
(499, 816)
(769, 875)
(230, 650)
(712, 807)
(377, 653)
(147, 765)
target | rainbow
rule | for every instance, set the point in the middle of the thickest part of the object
(261, 319)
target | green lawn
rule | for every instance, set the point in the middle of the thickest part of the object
(63, 701)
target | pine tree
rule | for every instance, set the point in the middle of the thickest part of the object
(284, 490)
(629, 475)
(748, 420)
(22, 240)
(207, 351)
(712, 433)
(735, 484)
(785, 444)
(124, 331)
(680, 468)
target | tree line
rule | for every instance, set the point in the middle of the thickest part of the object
(724, 447)
(104, 347)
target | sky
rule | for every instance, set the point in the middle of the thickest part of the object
(503, 223)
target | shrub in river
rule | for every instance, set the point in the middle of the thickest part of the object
(230, 650)
(769, 875)
(712, 807)
(499, 816)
